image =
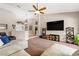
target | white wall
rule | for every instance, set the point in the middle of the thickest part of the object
(19, 13)
(7, 17)
(10, 15)
(70, 20)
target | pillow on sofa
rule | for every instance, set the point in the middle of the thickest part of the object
(5, 39)
(2, 34)
(1, 43)
(12, 38)
(59, 50)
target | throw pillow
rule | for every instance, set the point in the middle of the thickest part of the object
(5, 39)
(2, 33)
(12, 38)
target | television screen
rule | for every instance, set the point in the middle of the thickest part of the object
(55, 25)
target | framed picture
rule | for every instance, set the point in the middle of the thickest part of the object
(13, 26)
(3, 26)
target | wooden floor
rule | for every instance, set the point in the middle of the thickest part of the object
(37, 46)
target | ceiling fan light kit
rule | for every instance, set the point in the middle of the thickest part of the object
(37, 12)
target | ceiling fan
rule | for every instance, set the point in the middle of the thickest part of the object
(37, 9)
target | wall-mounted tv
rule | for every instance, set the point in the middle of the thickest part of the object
(55, 25)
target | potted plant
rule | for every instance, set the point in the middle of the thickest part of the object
(76, 40)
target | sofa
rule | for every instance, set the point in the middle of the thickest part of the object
(60, 50)
(13, 47)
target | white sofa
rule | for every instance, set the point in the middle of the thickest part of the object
(60, 50)
(13, 47)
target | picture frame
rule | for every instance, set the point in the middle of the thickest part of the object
(3, 26)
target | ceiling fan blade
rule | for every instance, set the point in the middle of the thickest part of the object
(35, 7)
(42, 12)
(42, 9)
(31, 10)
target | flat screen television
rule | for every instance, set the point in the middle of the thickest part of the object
(55, 25)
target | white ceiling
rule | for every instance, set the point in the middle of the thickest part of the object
(51, 7)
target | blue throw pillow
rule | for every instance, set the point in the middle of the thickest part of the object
(5, 39)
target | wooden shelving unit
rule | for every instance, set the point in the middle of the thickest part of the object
(70, 34)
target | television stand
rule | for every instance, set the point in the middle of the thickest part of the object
(52, 37)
